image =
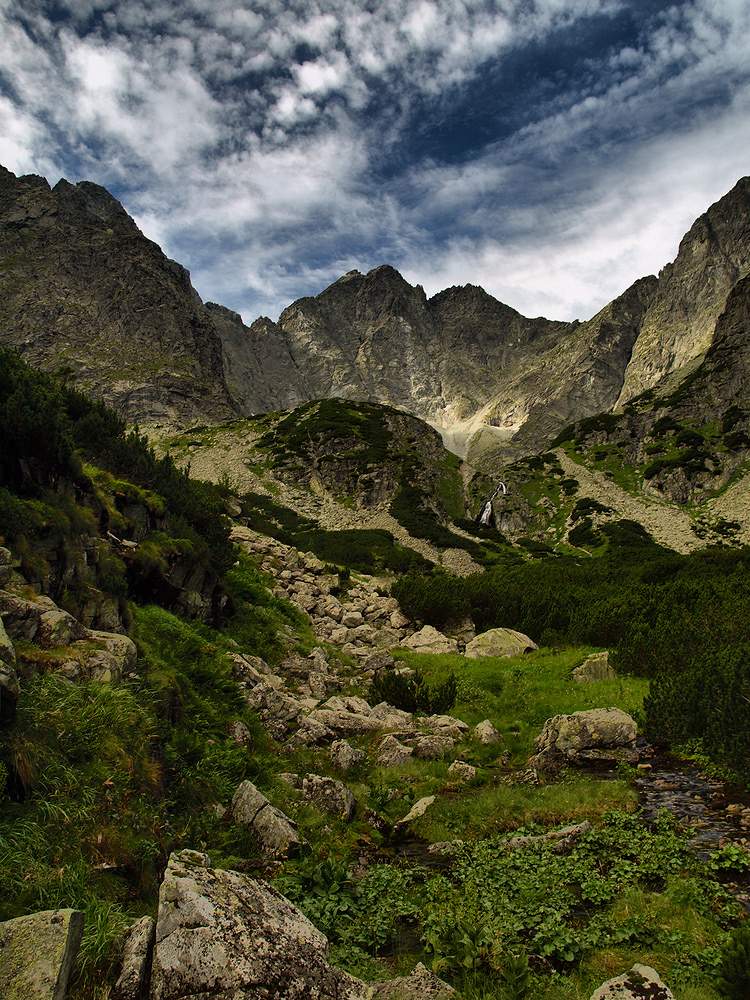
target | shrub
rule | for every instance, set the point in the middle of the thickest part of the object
(414, 694)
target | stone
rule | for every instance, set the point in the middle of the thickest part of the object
(37, 954)
(432, 747)
(311, 732)
(420, 985)
(444, 725)
(599, 736)
(121, 647)
(430, 640)
(135, 974)
(392, 753)
(345, 756)
(330, 795)
(486, 733)
(276, 833)
(462, 770)
(594, 668)
(392, 718)
(223, 934)
(641, 983)
(416, 812)
(499, 642)
(564, 840)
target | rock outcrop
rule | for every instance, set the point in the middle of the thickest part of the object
(594, 668)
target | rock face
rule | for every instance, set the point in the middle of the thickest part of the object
(597, 737)
(691, 292)
(223, 934)
(37, 954)
(499, 642)
(83, 287)
(641, 983)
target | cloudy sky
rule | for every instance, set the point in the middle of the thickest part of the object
(552, 151)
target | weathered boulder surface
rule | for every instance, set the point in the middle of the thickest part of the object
(330, 795)
(641, 983)
(499, 642)
(37, 954)
(486, 733)
(9, 686)
(598, 737)
(594, 668)
(222, 934)
(275, 832)
(420, 985)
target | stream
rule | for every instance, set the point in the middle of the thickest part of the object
(705, 807)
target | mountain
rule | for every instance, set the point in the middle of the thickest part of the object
(82, 288)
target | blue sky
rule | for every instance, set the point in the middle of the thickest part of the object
(552, 151)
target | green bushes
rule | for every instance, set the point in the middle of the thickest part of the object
(413, 693)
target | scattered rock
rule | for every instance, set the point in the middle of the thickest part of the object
(499, 642)
(416, 812)
(432, 747)
(462, 770)
(37, 954)
(392, 753)
(641, 983)
(344, 756)
(594, 668)
(330, 795)
(276, 833)
(420, 985)
(220, 933)
(486, 733)
(429, 640)
(564, 839)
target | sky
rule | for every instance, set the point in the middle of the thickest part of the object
(552, 151)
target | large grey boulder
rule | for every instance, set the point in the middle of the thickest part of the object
(222, 934)
(499, 642)
(597, 737)
(37, 954)
(641, 983)
(275, 832)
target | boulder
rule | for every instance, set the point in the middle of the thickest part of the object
(462, 770)
(486, 733)
(420, 985)
(641, 983)
(276, 833)
(429, 640)
(120, 646)
(444, 725)
(37, 954)
(392, 753)
(330, 795)
(499, 642)
(222, 934)
(594, 668)
(391, 718)
(135, 973)
(416, 812)
(597, 737)
(344, 756)
(432, 747)
(564, 840)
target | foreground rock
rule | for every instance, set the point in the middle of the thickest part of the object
(599, 737)
(222, 934)
(641, 983)
(37, 954)
(499, 642)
